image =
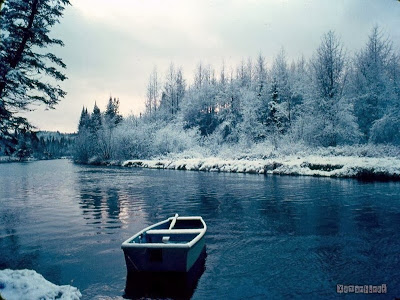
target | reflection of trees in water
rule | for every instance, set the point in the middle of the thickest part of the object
(100, 203)
(277, 212)
(105, 200)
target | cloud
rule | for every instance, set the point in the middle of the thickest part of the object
(112, 46)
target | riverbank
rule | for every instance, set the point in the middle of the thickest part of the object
(368, 168)
(8, 159)
(13, 159)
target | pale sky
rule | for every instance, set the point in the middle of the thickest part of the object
(111, 47)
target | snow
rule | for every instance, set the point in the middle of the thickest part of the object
(312, 165)
(29, 285)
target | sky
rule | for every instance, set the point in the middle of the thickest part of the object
(111, 47)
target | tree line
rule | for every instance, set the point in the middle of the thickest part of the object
(331, 99)
(42, 145)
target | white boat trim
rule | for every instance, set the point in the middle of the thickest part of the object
(173, 231)
(173, 222)
(201, 232)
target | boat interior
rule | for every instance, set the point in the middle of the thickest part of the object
(174, 231)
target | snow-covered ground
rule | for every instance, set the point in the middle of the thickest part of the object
(311, 165)
(29, 285)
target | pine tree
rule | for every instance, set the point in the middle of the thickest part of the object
(280, 74)
(111, 115)
(24, 28)
(84, 120)
(83, 139)
(95, 119)
(276, 121)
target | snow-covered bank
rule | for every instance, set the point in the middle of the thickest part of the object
(7, 159)
(381, 168)
(29, 285)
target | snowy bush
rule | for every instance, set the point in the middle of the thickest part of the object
(134, 140)
(387, 129)
(173, 138)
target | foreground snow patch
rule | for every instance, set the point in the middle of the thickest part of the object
(29, 285)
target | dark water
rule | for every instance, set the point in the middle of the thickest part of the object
(268, 237)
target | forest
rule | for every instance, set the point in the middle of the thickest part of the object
(329, 101)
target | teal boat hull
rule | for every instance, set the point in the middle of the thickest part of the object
(162, 249)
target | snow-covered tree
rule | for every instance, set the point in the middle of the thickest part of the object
(333, 110)
(112, 116)
(326, 115)
(106, 135)
(200, 108)
(84, 119)
(300, 82)
(244, 73)
(180, 88)
(281, 94)
(374, 83)
(153, 94)
(386, 130)
(24, 69)
(260, 76)
(82, 140)
(173, 92)
(95, 119)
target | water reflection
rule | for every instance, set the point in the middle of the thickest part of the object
(165, 285)
(102, 205)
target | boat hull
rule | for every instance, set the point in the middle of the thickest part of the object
(165, 285)
(160, 259)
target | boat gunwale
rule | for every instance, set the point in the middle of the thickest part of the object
(127, 244)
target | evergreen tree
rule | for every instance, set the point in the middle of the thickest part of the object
(111, 115)
(95, 119)
(280, 74)
(24, 29)
(276, 119)
(84, 120)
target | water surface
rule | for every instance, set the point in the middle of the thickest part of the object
(268, 236)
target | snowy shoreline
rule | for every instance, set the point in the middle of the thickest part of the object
(368, 168)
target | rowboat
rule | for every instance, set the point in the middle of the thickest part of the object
(172, 245)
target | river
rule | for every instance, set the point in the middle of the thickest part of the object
(268, 236)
